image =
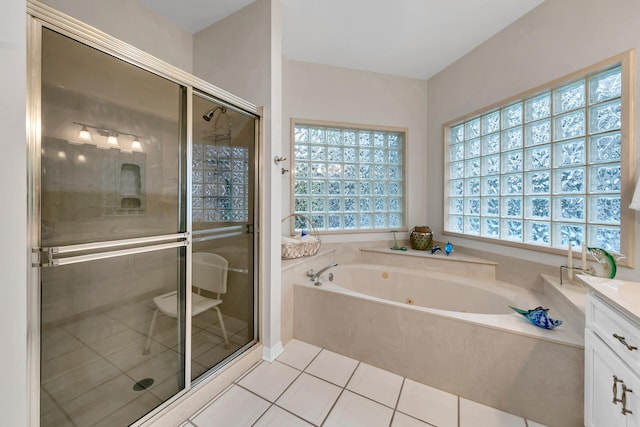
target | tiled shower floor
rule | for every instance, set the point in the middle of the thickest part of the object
(310, 386)
(91, 365)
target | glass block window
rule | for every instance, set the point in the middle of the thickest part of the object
(220, 191)
(348, 178)
(543, 170)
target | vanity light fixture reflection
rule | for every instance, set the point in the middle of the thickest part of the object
(112, 136)
(84, 134)
(135, 144)
(112, 139)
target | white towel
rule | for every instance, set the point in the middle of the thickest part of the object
(635, 202)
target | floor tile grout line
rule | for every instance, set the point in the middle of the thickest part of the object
(415, 418)
(312, 359)
(118, 369)
(279, 395)
(395, 408)
(274, 402)
(305, 366)
(343, 389)
(262, 415)
(292, 413)
(341, 393)
(58, 405)
(62, 406)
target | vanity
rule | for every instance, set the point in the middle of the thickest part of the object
(612, 353)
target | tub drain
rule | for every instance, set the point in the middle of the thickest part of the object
(143, 384)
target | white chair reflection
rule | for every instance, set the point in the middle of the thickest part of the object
(208, 273)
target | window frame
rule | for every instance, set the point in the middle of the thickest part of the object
(626, 61)
(356, 127)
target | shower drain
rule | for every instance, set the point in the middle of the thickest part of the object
(143, 384)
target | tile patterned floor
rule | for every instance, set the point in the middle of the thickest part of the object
(310, 386)
(90, 365)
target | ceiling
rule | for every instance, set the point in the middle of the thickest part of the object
(411, 38)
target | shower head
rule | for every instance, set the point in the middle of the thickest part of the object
(209, 114)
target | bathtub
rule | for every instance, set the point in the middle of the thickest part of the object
(454, 333)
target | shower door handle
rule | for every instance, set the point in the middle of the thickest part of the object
(49, 256)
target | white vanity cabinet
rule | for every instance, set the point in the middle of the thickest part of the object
(612, 366)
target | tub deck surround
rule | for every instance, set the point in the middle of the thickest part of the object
(289, 264)
(569, 298)
(481, 302)
(462, 264)
(513, 370)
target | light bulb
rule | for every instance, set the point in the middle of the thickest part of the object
(112, 140)
(135, 144)
(84, 134)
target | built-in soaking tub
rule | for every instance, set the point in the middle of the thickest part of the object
(454, 333)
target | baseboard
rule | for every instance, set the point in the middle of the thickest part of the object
(271, 353)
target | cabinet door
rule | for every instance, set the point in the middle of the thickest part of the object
(601, 365)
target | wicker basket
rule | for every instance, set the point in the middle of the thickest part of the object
(292, 250)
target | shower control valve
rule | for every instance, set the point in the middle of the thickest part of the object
(278, 159)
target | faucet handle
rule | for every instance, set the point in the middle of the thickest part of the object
(311, 273)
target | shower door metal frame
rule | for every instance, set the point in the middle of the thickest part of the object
(42, 16)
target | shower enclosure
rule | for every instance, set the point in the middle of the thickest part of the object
(129, 181)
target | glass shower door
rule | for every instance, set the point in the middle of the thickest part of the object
(223, 189)
(113, 241)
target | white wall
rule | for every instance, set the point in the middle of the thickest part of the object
(555, 39)
(320, 92)
(13, 254)
(242, 54)
(134, 23)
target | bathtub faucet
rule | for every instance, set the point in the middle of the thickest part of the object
(315, 277)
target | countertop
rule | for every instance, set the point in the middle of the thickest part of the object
(623, 294)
